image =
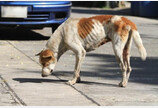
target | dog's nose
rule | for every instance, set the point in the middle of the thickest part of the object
(51, 71)
(43, 75)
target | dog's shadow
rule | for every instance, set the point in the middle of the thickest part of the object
(40, 80)
(37, 80)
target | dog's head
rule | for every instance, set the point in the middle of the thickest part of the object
(48, 61)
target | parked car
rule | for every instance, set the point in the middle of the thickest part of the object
(36, 14)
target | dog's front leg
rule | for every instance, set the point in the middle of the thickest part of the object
(80, 55)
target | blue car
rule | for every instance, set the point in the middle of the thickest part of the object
(34, 13)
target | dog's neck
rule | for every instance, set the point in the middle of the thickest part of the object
(61, 51)
(56, 44)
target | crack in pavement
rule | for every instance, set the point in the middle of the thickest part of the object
(14, 96)
(87, 97)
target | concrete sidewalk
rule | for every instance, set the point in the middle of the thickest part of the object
(30, 87)
(100, 74)
(7, 98)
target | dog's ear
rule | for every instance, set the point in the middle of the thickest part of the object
(38, 53)
(47, 54)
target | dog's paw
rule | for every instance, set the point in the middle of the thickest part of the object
(122, 84)
(72, 82)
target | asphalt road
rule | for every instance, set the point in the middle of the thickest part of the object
(100, 74)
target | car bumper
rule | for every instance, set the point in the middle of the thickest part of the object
(48, 22)
(41, 15)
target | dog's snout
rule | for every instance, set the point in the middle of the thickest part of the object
(43, 75)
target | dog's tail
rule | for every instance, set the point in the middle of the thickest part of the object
(139, 44)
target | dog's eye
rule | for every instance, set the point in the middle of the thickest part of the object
(45, 64)
(47, 58)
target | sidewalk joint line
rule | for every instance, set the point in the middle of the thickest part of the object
(12, 91)
(93, 101)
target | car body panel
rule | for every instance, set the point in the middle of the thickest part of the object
(39, 12)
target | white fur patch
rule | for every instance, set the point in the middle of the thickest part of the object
(46, 71)
(115, 18)
(51, 66)
(95, 35)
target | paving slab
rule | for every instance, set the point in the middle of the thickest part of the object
(100, 74)
(24, 77)
(7, 99)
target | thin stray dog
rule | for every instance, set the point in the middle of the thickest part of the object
(82, 35)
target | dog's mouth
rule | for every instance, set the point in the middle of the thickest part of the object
(51, 71)
(44, 75)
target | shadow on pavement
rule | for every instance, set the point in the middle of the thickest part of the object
(20, 34)
(148, 36)
(125, 11)
(34, 80)
(98, 83)
(145, 72)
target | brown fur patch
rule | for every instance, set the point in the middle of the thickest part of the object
(121, 27)
(85, 25)
(102, 18)
(46, 57)
(130, 23)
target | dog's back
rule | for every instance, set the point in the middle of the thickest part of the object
(89, 31)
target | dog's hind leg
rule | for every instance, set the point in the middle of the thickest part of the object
(80, 55)
(126, 58)
(118, 46)
(126, 54)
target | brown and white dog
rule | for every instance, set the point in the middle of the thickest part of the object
(82, 35)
